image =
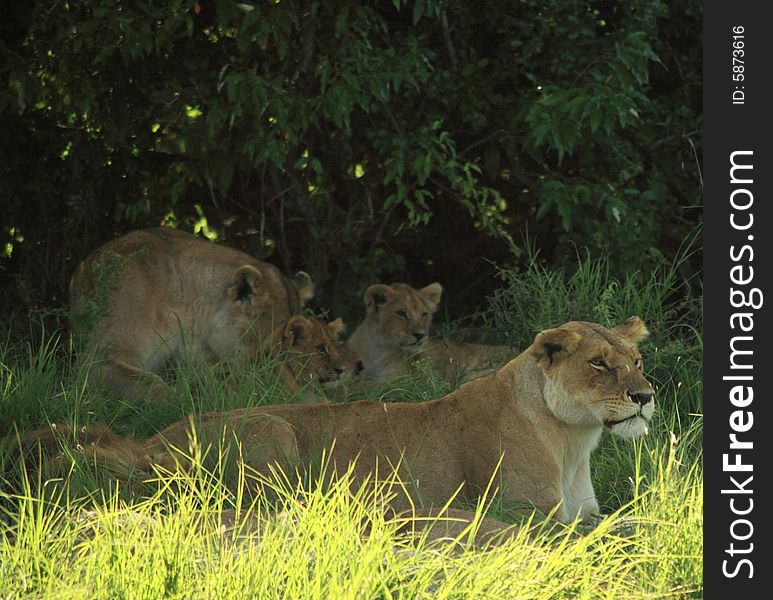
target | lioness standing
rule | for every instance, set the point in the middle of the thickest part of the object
(150, 295)
(531, 425)
(395, 334)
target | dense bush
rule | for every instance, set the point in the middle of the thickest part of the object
(357, 140)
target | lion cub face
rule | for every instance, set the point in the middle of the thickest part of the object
(402, 314)
(316, 352)
(594, 376)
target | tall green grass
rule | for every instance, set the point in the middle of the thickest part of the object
(325, 542)
(82, 533)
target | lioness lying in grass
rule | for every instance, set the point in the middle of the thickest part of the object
(532, 425)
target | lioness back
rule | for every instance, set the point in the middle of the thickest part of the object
(395, 334)
(152, 294)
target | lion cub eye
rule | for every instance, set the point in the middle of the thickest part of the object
(599, 364)
(402, 314)
(321, 349)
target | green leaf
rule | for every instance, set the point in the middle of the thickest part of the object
(492, 158)
(341, 21)
(565, 213)
(543, 209)
(351, 80)
(418, 11)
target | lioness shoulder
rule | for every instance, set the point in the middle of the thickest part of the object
(153, 294)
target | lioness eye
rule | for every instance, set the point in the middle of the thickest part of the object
(321, 349)
(598, 364)
(402, 314)
(424, 315)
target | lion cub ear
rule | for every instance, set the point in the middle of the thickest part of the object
(247, 286)
(376, 295)
(297, 329)
(305, 286)
(432, 294)
(633, 329)
(549, 344)
(337, 327)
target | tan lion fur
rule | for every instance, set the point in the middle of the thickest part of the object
(311, 352)
(154, 294)
(531, 425)
(395, 333)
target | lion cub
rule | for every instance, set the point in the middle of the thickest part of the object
(312, 352)
(395, 331)
(154, 294)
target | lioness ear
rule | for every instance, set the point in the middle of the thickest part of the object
(246, 286)
(376, 295)
(305, 286)
(633, 329)
(296, 329)
(337, 326)
(431, 295)
(551, 342)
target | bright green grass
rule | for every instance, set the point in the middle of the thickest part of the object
(86, 536)
(318, 547)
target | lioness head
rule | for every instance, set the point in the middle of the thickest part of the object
(593, 376)
(315, 351)
(402, 314)
(259, 298)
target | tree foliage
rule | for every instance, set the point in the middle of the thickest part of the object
(358, 140)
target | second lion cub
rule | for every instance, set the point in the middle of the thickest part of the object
(395, 334)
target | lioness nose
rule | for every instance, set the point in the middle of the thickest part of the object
(641, 398)
(418, 335)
